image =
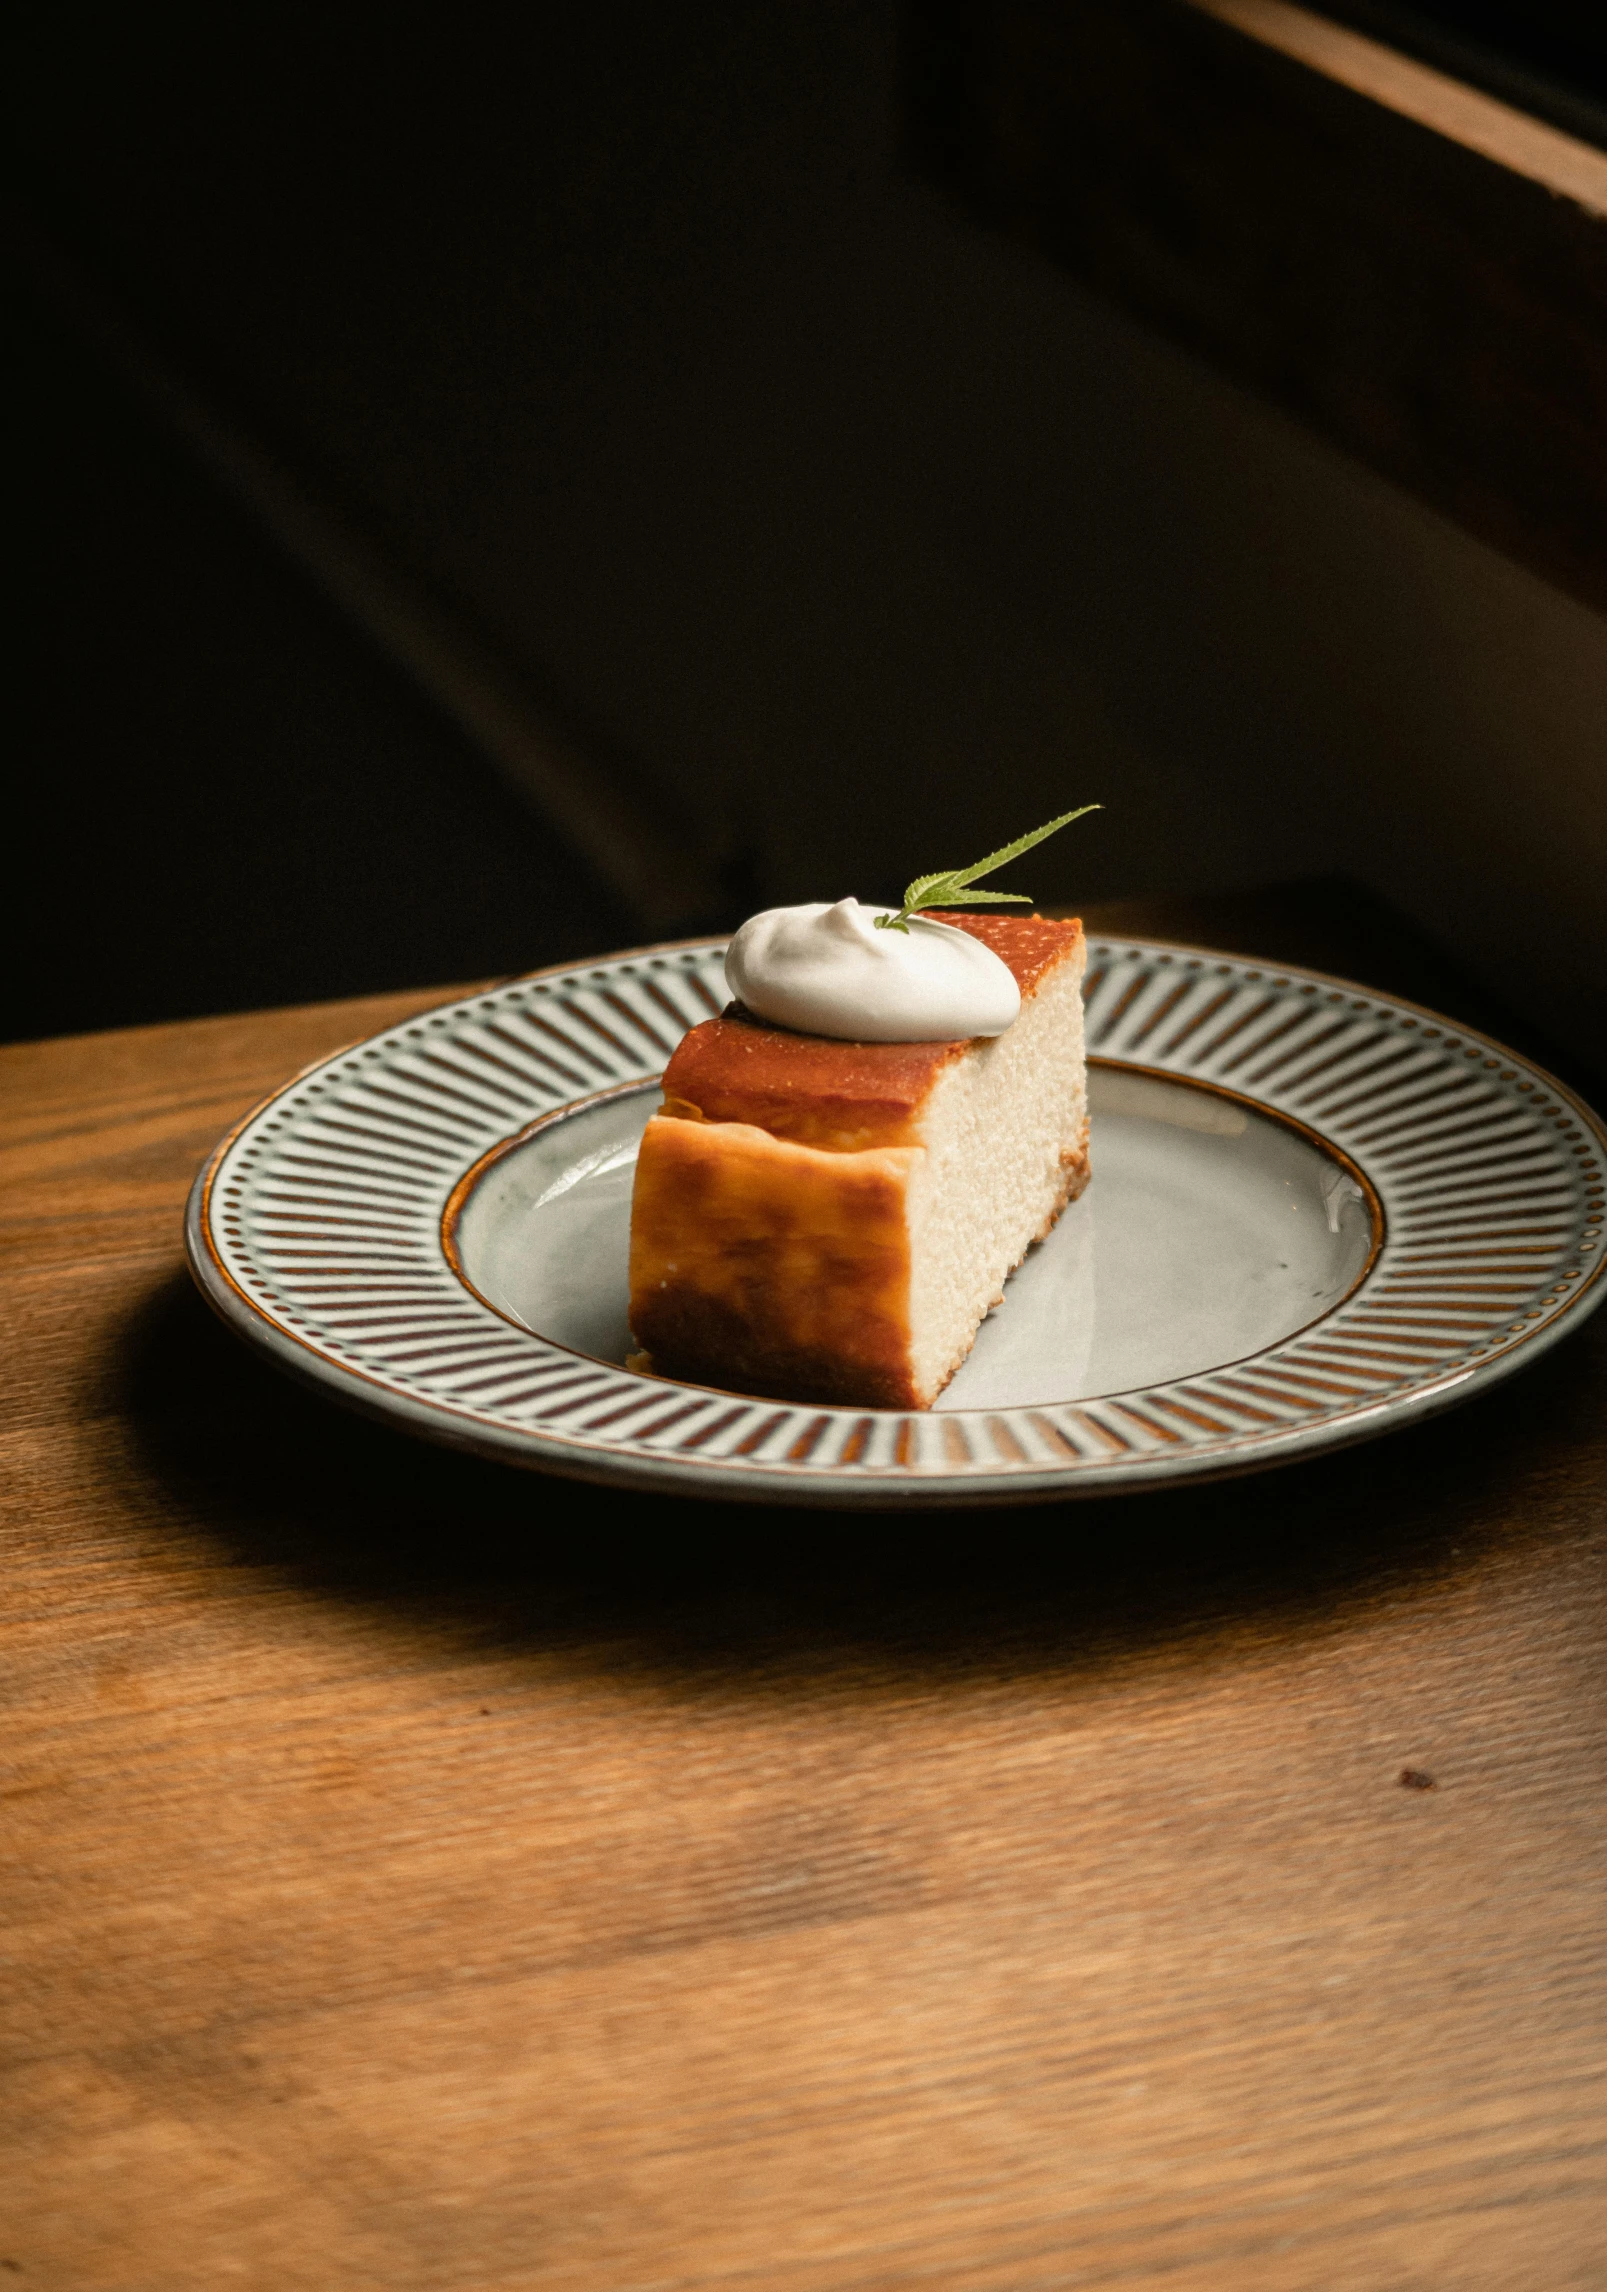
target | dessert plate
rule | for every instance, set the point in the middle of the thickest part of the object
(1316, 1214)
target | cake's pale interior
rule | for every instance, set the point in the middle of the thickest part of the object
(831, 1221)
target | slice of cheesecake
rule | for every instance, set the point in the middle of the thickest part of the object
(830, 1221)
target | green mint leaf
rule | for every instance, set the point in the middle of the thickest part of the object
(1022, 844)
(928, 891)
(978, 898)
(951, 887)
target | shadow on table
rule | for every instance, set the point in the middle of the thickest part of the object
(449, 1548)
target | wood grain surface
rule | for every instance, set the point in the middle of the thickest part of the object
(416, 1874)
(1414, 269)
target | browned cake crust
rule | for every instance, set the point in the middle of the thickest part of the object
(772, 1267)
(800, 1257)
(840, 1095)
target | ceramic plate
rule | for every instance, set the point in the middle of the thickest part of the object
(1315, 1214)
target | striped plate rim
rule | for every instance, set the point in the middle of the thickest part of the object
(316, 1230)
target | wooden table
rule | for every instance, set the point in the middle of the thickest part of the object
(418, 1874)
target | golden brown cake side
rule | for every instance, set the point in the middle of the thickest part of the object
(769, 1267)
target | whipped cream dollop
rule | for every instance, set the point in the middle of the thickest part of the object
(827, 970)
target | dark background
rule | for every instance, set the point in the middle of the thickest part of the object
(1547, 56)
(844, 537)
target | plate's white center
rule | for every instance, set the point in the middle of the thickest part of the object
(1207, 1233)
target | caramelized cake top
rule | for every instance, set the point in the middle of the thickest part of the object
(841, 1095)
